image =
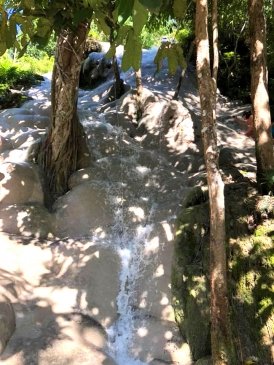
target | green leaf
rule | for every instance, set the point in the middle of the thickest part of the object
(132, 53)
(43, 27)
(100, 21)
(179, 8)
(111, 52)
(4, 20)
(81, 15)
(11, 33)
(140, 16)
(151, 4)
(28, 4)
(174, 55)
(125, 8)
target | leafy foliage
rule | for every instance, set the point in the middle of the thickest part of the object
(174, 55)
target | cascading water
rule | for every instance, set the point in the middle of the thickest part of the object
(128, 240)
(141, 188)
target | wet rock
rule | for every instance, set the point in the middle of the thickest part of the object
(20, 184)
(159, 340)
(153, 286)
(7, 321)
(27, 139)
(18, 121)
(5, 144)
(106, 140)
(94, 69)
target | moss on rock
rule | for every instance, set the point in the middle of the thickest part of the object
(190, 281)
(250, 275)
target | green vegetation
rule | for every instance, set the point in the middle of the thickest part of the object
(251, 272)
(20, 75)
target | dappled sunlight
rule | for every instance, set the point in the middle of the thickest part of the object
(92, 278)
(138, 213)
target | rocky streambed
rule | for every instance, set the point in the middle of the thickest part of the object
(90, 282)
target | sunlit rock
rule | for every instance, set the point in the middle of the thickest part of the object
(156, 340)
(82, 210)
(7, 321)
(153, 286)
(18, 121)
(20, 184)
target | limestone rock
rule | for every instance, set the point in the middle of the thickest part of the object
(153, 286)
(7, 321)
(32, 220)
(20, 184)
(26, 139)
(159, 340)
(82, 210)
(106, 140)
(5, 144)
(58, 340)
(19, 121)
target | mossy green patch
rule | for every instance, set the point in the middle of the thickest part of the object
(250, 275)
(189, 279)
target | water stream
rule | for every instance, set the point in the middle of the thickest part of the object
(134, 191)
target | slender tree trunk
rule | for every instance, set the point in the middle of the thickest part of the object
(139, 91)
(215, 40)
(119, 83)
(182, 76)
(60, 149)
(259, 92)
(221, 343)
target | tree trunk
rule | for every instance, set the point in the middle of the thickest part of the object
(139, 91)
(259, 92)
(119, 83)
(183, 73)
(221, 342)
(60, 149)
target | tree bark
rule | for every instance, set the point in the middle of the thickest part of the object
(221, 340)
(259, 92)
(182, 76)
(139, 91)
(60, 149)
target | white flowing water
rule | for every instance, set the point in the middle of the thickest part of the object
(129, 240)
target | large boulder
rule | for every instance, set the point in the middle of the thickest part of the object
(66, 313)
(87, 204)
(20, 184)
(7, 321)
(32, 220)
(94, 69)
(18, 121)
(72, 339)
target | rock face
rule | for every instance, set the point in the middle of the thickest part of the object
(94, 69)
(191, 295)
(20, 184)
(7, 321)
(86, 203)
(62, 311)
